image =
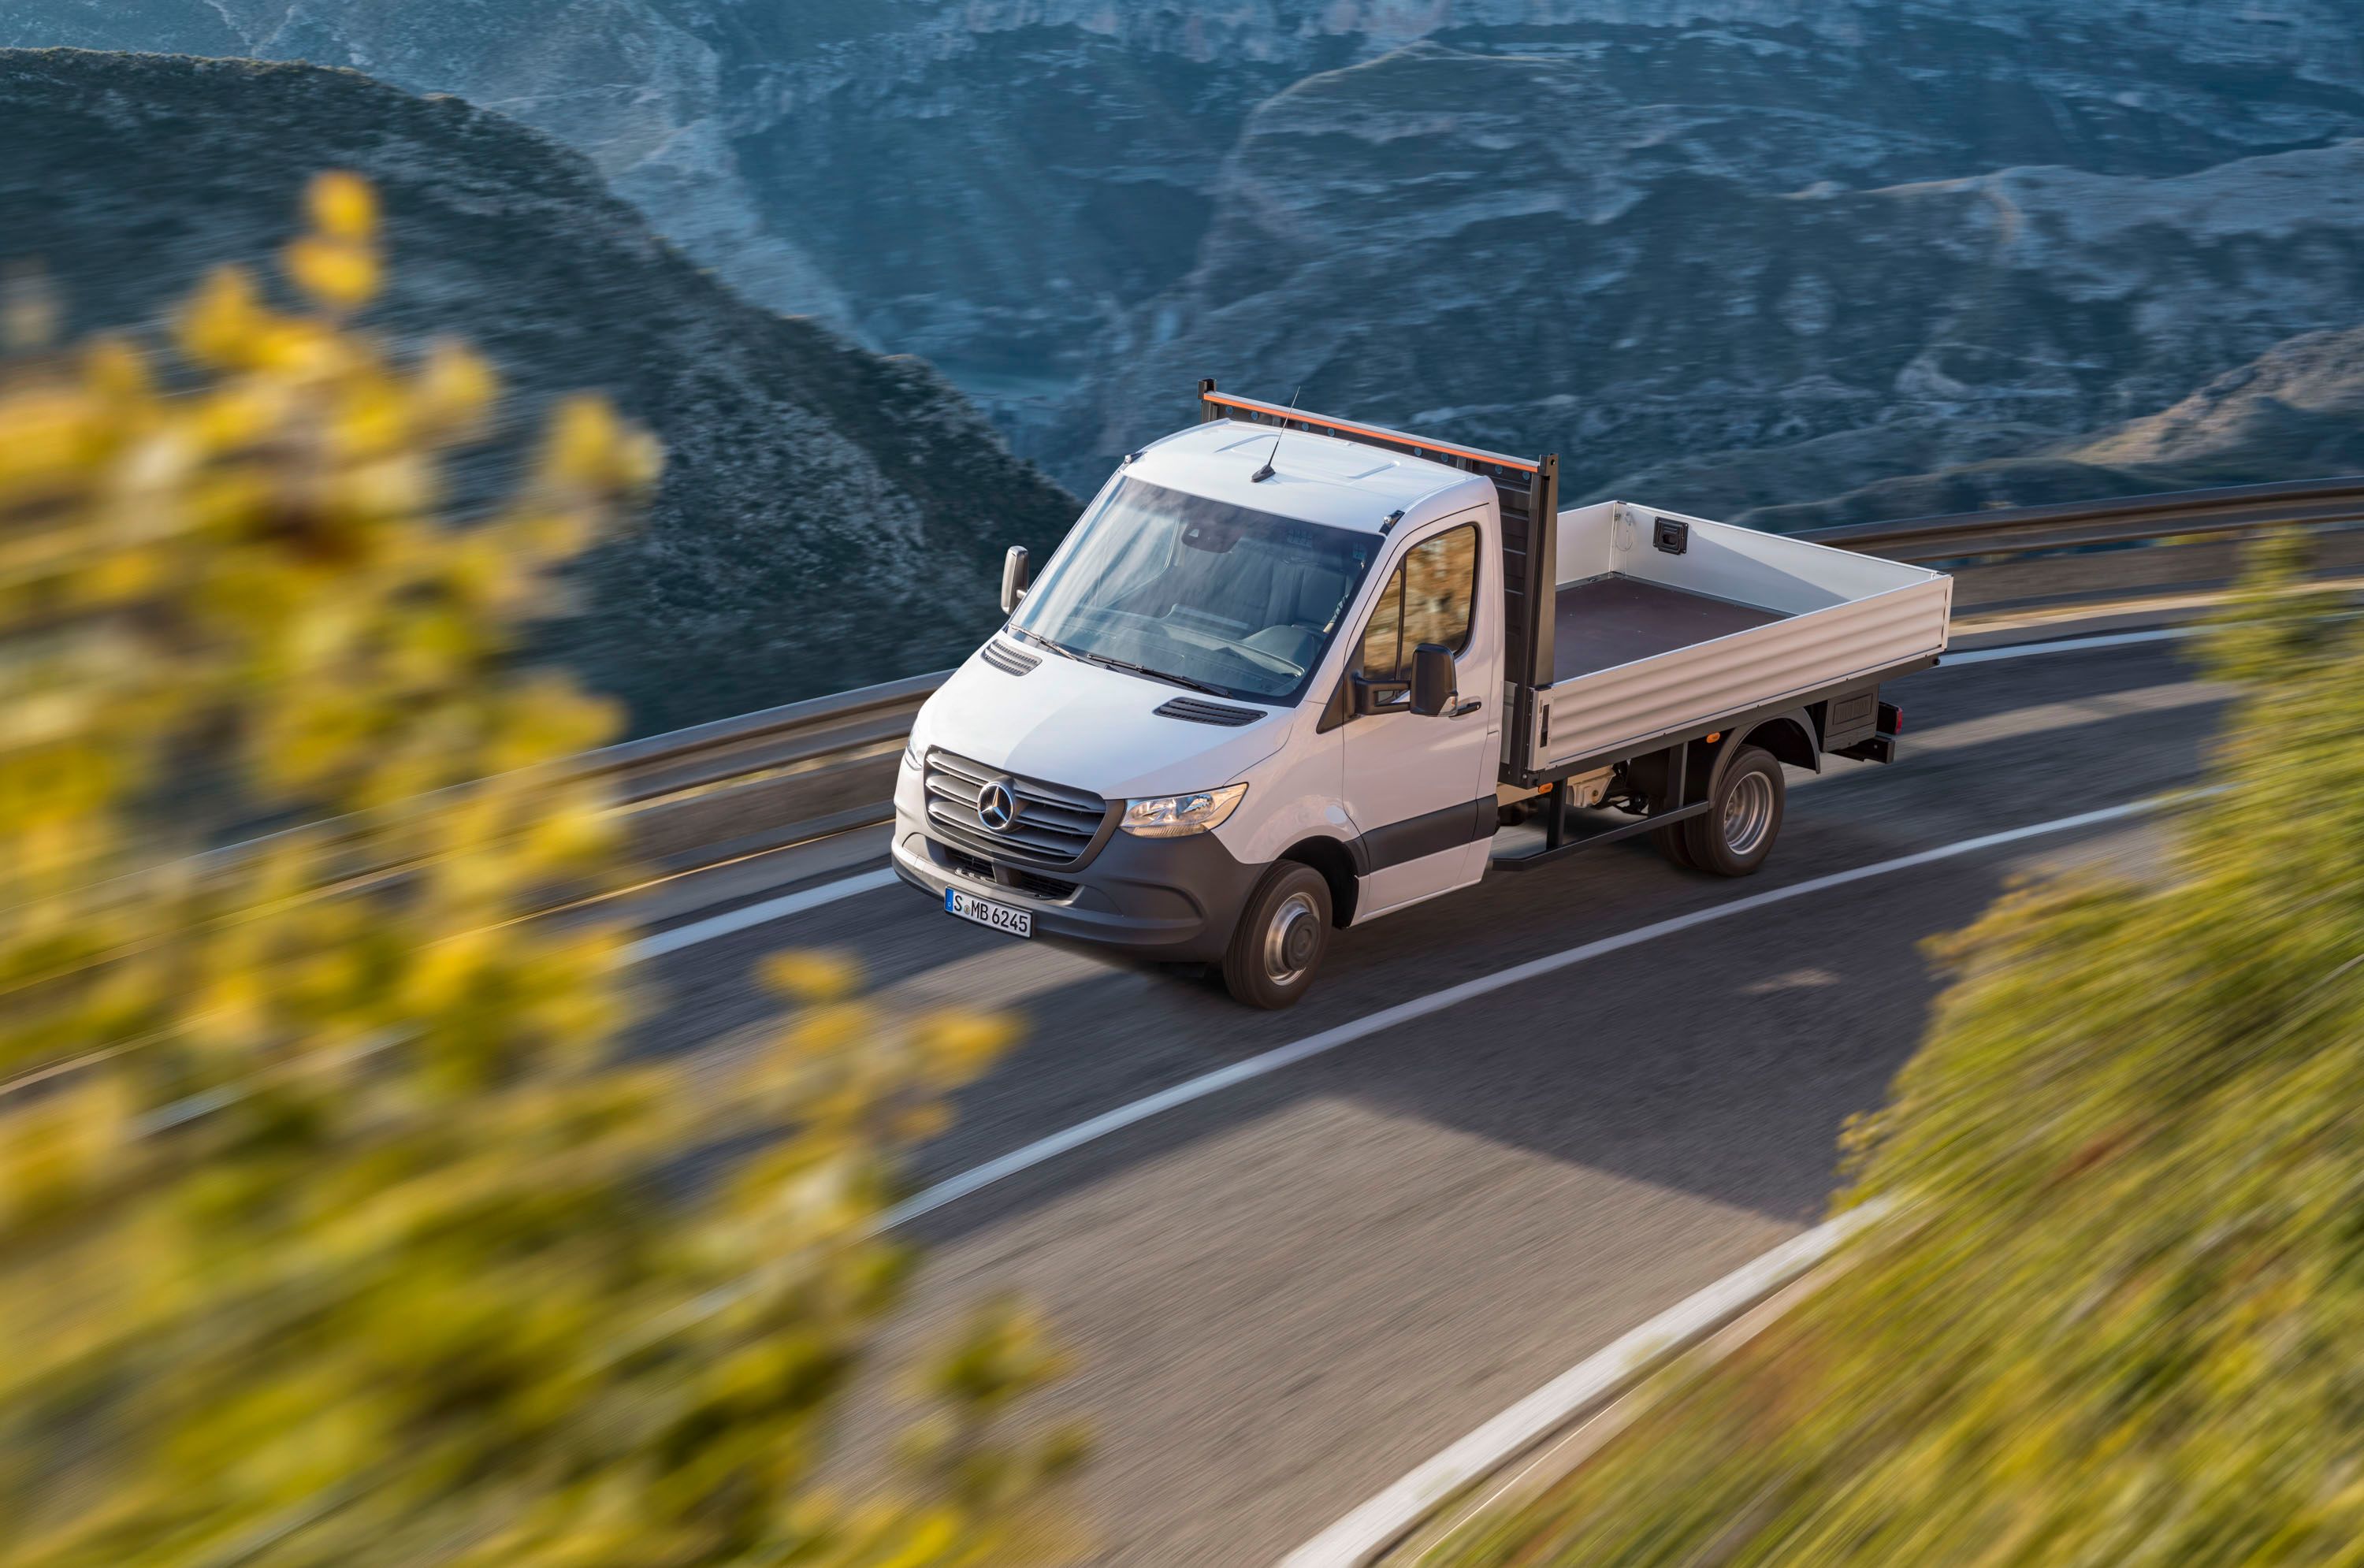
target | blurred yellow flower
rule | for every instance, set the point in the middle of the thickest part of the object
(966, 1042)
(454, 387)
(342, 206)
(334, 272)
(329, 1188)
(222, 317)
(814, 977)
(114, 369)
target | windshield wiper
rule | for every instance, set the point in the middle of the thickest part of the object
(1060, 648)
(1143, 671)
(1185, 683)
(1147, 674)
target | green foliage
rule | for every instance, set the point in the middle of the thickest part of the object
(2118, 1319)
(334, 1228)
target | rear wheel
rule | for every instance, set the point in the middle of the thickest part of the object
(1736, 832)
(1670, 844)
(1280, 938)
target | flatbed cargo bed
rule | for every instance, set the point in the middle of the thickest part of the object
(1662, 622)
(1606, 621)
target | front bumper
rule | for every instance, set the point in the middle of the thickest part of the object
(1171, 900)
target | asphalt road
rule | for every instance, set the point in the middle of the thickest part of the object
(1284, 1294)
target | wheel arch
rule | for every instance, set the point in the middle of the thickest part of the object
(1336, 864)
(1789, 735)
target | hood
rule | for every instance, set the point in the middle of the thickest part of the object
(1070, 723)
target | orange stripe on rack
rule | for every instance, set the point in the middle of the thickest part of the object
(1375, 432)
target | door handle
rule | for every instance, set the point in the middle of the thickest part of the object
(1464, 709)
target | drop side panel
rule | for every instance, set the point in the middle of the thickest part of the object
(1629, 704)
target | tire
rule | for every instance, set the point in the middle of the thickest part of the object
(1670, 844)
(1736, 832)
(1282, 934)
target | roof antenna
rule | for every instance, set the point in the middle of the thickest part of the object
(1261, 474)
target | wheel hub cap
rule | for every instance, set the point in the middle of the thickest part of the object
(1748, 813)
(1290, 939)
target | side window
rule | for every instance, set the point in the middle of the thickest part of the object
(1428, 599)
(1439, 585)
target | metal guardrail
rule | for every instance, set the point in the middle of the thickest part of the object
(2182, 515)
(736, 786)
(758, 782)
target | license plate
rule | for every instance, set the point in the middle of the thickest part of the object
(1000, 917)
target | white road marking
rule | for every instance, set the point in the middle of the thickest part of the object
(1270, 1061)
(1385, 1519)
(2066, 645)
(735, 921)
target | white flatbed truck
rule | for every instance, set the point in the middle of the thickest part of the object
(1289, 674)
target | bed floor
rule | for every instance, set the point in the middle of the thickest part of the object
(1607, 621)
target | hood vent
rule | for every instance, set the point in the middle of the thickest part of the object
(1198, 712)
(1007, 659)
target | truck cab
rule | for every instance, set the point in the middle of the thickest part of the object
(1278, 681)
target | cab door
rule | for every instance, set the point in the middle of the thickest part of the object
(1418, 790)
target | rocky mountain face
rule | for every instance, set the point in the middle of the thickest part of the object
(1732, 270)
(1753, 250)
(2296, 411)
(828, 516)
(2303, 402)
(1894, 328)
(635, 84)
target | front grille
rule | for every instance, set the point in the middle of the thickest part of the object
(1011, 877)
(1042, 887)
(1055, 826)
(967, 864)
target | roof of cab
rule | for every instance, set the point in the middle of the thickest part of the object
(1315, 478)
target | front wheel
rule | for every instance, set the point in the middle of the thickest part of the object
(1280, 938)
(1735, 833)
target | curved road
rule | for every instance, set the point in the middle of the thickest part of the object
(1286, 1292)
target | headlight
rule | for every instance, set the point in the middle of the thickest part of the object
(1177, 816)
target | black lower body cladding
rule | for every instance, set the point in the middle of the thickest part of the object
(1169, 900)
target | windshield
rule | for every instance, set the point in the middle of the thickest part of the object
(1201, 592)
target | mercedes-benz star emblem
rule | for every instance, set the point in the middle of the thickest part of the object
(997, 808)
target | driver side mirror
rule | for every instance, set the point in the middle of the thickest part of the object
(1014, 577)
(1433, 682)
(1429, 692)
